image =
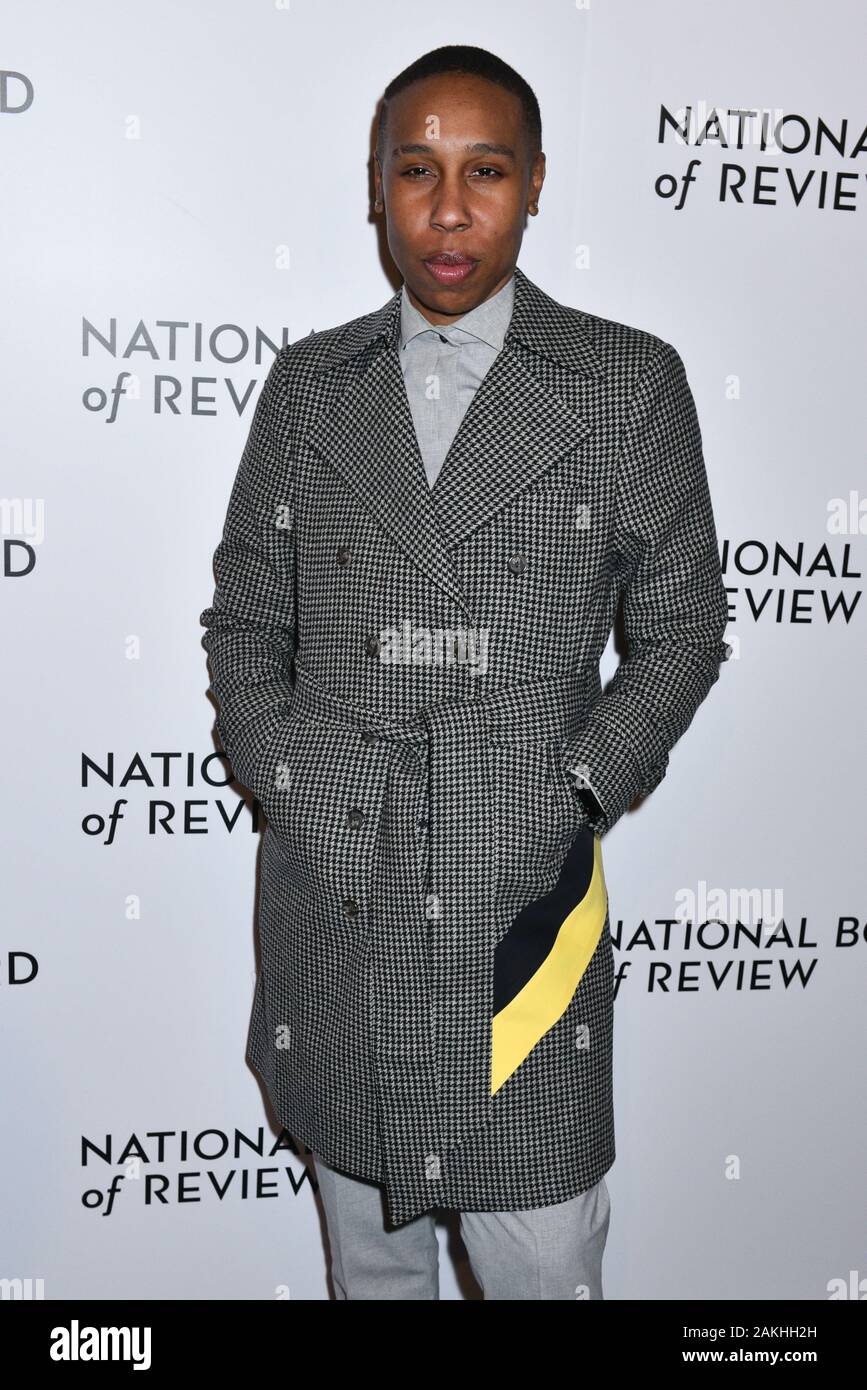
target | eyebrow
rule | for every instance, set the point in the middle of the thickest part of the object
(480, 147)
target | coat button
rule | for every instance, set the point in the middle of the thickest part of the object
(344, 555)
(371, 646)
(517, 563)
(350, 907)
(355, 818)
(368, 736)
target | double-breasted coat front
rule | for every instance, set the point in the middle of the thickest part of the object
(408, 680)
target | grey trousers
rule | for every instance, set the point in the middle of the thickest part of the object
(548, 1252)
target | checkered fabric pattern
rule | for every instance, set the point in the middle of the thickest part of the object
(417, 798)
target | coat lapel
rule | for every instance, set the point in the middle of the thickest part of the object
(370, 439)
(526, 415)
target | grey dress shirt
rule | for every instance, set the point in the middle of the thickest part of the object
(444, 365)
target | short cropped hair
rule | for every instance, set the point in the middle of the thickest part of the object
(476, 62)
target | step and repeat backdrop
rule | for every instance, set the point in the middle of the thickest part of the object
(187, 188)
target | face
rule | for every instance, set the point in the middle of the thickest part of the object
(456, 177)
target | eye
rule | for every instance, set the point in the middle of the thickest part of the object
(417, 169)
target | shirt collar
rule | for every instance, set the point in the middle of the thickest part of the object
(488, 322)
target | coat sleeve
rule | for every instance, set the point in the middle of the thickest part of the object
(675, 603)
(251, 625)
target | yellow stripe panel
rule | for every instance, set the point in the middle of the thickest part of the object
(546, 995)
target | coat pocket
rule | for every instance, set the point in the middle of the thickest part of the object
(530, 819)
(274, 775)
(565, 793)
(326, 806)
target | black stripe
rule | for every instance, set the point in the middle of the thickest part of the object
(531, 936)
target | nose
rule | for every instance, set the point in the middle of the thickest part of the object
(449, 210)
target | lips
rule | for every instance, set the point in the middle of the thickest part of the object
(450, 267)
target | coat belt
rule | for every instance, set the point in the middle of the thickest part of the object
(431, 992)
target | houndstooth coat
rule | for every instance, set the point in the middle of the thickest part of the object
(408, 681)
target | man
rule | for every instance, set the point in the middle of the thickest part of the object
(438, 508)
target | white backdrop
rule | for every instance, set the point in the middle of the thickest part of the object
(207, 164)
